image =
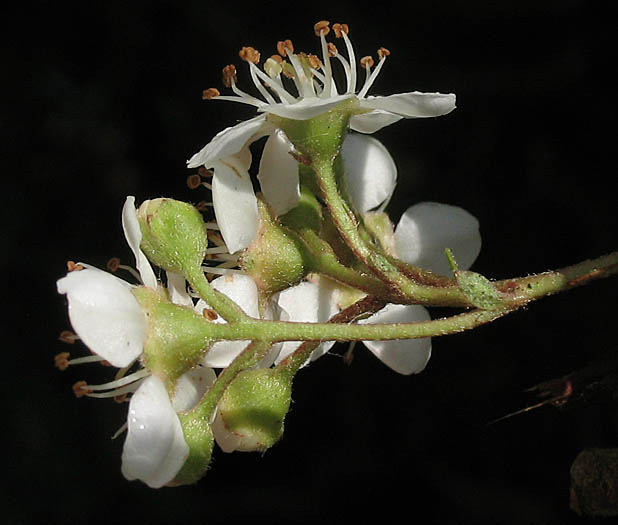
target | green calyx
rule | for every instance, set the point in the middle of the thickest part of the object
(173, 234)
(318, 139)
(198, 436)
(177, 339)
(276, 259)
(307, 214)
(253, 408)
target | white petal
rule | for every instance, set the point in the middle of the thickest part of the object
(105, 315)
(133, 234)
(278, 174)
(155, 448)
(229, 142)
(242, 290)
(413, 105)
(235, 204)
(307, 302)
(177, 289)
(406, 356)
(373, 121)
(370, 171)
(427, 228)
(227, 441)
(191, 386)
(305, 108)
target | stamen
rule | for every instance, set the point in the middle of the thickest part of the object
(367, 62)
(321, 28)
(212, 226)
(273, 67)
(220, 271)
(273, 84)
(253, 70)
(224, 257)
(215, 238)
(229, 75)
(113, 265)
(348, 357)
(66, 336)
(304, 86)
(285, 47)
(210, 93)
(339, 29)
(210, 314)
(86, 359)
(194, 181)
(249, 54)
(383, 53)
(80, 389)
(72, 266)
(120, 430)
(204, 172)
(203, 206)
(131, 378)
(61, 361)
(117, 393)
(332, 50)
(352, 59)
(218, 249)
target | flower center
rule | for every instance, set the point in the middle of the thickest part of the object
(311, 76)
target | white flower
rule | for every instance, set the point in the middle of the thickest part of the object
(102, 308)
(315, 92)
(155, 449)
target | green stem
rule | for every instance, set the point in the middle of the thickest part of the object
(221, 303)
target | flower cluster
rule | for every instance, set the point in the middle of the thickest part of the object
(198, 358)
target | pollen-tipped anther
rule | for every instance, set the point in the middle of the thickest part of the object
(322, 28)
(61, 360)
(340, 28)
(66, 336)
(383, 53)
(113, 264)
(72, 266)
(332, 50)
(229, 75)
(284, 47)
(249, 54)
(80, 389)
(210, 93)
(366, 62)
(194, 181)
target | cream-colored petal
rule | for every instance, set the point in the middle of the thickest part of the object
(235, 204)
(177, 289)
(230, 142)
(105, 314)
(370, 171)
(428, 228)
(278, 174)
(406, 356)
(373, 121)
(191, 386)
(413, 105)
(155, 449)
(133, 234)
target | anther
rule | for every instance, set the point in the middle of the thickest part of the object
(113, 264)
(210, 93)
(332, 50)
(314, 61)
(61, 361)
(383, 53)
(120, 399)
(366, 62)
(72, 266)
(229, 75)
(276, 58)
(209, 314)
(249, 54)
(284, 47)
(80, 389)
(340, 28)
(203, 206)
(194, 181)
(321, 28)
(204, 172)
(273, 67)
(66, 336)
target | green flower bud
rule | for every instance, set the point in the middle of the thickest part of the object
(177, 336)
(173, 234)
(252, 409)
(276, 259)
(198, 435)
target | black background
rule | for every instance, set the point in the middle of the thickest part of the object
(104, 101)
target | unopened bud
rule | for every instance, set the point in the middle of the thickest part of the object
(173, 234)
(252, 410)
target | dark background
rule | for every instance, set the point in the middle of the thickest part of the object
(105, 101)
